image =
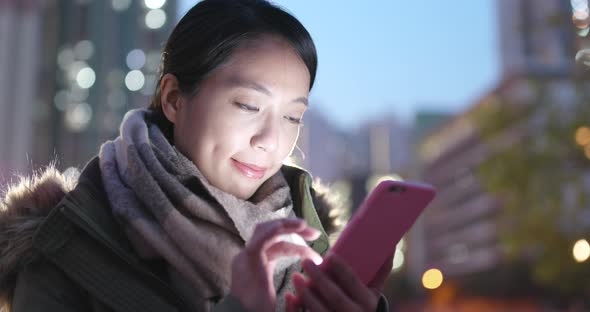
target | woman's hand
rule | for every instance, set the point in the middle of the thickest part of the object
(253, 267)
(333, 286)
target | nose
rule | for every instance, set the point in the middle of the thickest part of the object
(267, 137)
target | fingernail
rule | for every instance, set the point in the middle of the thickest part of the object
(317, 260)
(315, 232)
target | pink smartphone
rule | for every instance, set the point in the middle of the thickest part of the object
(379, 224)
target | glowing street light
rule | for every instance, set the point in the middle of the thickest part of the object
(398, 260)
(134, 80)
(155, 19)
(154, 4)
(583, 136)
(85, 77)
(581, 250)
(432, 279)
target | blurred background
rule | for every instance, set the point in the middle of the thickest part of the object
(487, 100)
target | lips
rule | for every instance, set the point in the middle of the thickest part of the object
(249, 170)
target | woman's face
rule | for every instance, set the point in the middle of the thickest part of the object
(245, 119)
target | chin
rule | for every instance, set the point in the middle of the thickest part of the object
(243, 195)
(240, 192)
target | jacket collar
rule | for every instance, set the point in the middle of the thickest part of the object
(300, 182)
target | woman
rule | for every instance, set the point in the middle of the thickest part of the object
(191, 208)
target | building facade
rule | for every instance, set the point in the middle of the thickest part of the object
(69, 70)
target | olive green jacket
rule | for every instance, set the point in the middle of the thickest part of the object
(80, 260)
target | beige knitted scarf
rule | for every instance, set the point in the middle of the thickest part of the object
(170, 211)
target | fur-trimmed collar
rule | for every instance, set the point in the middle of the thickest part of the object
(24, 206)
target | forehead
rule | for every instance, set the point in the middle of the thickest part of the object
(268, 61)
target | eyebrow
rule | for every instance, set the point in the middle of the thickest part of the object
(243, 83)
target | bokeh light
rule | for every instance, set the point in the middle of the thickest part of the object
(65, 57)
(374, 180)
(83, 50)
(135, 59)
(155, 19)
(581, 250)
(432, 279)
(401, 245)
(398, 260)
(74, 69)
(154, 4)
(86, 77)
(583, 136)
(399, 257)
(587, 151)
(78, 117)
(134, 80)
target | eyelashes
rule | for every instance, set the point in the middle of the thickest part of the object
(254, 109)
(294, 120)
(247, 107)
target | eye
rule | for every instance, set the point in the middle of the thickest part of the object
(294, 120)
(247, 107)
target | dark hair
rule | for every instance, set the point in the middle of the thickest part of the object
(209, 33)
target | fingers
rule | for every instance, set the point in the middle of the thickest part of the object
(308, 233)
(333, 284)
(292, 304)
(343, 275)
(328, 291)
(308, 298)
(252, 268)
(266, 234)
(286, 249)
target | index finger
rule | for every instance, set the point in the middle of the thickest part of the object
(267, 234)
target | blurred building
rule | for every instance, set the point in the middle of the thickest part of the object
(322, 148)
(108, 53)
(69, 71)
(425, 124)
(353, 156)
(21, 46)
(461, 227)
(535, 37)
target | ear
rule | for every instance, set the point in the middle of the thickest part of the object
(170, 97)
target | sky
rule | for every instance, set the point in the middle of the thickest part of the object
(392, 57)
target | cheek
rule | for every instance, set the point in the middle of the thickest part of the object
(290, 136)
(196, 137)
(224, 138)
